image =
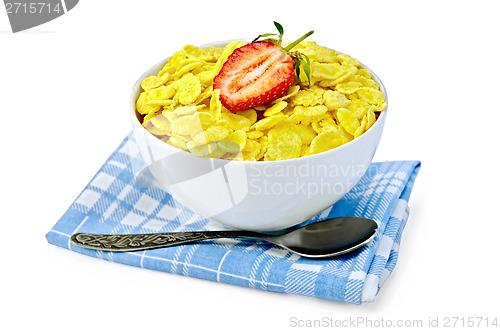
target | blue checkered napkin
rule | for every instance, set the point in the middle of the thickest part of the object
(112, 203)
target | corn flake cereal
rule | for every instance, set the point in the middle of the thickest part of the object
(154, 81)
(284, 143)
(275, 108)
(239, 137)
(314, 113)
(250, 114)
(268, 122)
(215, 104)
(326, 140)
(235, 121)
(187, 89)
(185, 110)
(254, 134)
(348, 120)
(308, 97)
(180, 107)
(348, 87)
(213, 133)
(161, 123)
(161, 93)
(177, 142)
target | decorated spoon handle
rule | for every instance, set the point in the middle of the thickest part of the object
(137, 242)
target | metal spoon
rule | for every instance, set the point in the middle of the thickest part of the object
(331, 237)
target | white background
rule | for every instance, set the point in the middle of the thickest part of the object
(64, 88)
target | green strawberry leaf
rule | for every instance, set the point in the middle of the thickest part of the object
(307, 68)
(279, 27)
(296, 65)
(280, 30)
(264, 35)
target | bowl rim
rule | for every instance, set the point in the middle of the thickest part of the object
(379, 122)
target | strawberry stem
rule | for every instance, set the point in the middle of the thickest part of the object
(296, 42)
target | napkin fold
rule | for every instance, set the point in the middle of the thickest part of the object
(112, 203)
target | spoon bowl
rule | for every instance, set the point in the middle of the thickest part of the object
(327, 238)
(331, 237)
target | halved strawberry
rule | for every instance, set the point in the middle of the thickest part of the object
(253, 75)
(258, 73)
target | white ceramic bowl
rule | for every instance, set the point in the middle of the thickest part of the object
(260, 196)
